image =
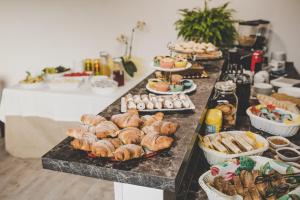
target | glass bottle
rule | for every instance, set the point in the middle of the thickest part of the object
(118, 72)
(96, 67)
(226, 100)
(104, 60)
(88, 66)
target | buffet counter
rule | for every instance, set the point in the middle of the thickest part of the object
(165, 175)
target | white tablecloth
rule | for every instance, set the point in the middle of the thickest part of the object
(59, 106)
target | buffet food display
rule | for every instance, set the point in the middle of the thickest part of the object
(253, 178)
(154, 103)
(161, 86)
(124, 137)
(171, 64)
(199, 50)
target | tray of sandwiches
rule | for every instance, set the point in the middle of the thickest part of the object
(124, 136)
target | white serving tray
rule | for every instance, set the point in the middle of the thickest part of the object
(193, 88)
(192, 107)
(189, 65)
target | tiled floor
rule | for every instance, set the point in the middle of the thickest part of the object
(24, 179)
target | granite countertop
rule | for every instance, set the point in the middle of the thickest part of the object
(164, 171)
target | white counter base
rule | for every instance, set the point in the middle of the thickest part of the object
(125, 191)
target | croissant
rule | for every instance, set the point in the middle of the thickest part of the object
(131, 135)
(128, 151)
(150, 119)
(129, 119)
(75, 132)
(85, 143)
(105, 129)
(155, 142)
(92, 120)
(115, 141)
(164, 128)
(103, 148)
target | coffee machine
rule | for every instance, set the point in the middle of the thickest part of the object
(253, 43)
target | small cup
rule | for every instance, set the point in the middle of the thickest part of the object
(289, 159)
(276, 146)
(187, 84)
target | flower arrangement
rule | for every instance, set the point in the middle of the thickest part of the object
(129, 65)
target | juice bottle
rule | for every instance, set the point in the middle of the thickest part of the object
(104, 60)
(96, 67)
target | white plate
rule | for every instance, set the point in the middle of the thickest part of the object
(291, 91)
(193, 88)
(192, 107)
(32, 86)
(189, 65)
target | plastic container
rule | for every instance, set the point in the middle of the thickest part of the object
(272, 127)
(214, 157)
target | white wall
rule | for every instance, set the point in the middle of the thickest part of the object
(36, 33)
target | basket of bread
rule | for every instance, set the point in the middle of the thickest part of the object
(222, 146)
(124, 137)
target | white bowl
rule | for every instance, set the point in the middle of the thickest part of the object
(214, 157)
(105, 85)
(276, 146)
(263, 88)
(289, 159)
(272, 127)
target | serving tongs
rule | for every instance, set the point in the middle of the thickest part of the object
(274, 177)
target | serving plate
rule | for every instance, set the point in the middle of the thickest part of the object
(192, 106)
(189, 65)
(193, 88)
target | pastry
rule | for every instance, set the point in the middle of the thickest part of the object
(177, 104)
(176, 78)
(155, 142)
(150, 119)
(167, 62)
(131, 105)
(158, 105)
(137, 99)
(103, 148)
(130, 135)
(115, 141)
(85, 143)
(285, 97)
(105, 129)
(92, 120)
(180, 63)
(161, 86)
(165, 128)
(168, 104)
(75, 133)
(128, 151)
(129, 119)
(185, 103)
(150, 105)
(140, 106)
(129, 97)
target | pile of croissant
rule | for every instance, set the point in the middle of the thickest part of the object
(124, 136)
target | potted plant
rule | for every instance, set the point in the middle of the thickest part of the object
(215, 25)
(127, 61)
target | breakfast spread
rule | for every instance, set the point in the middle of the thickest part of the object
(152, 102)
(124, 137)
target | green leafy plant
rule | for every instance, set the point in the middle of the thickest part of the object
(215, 25)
